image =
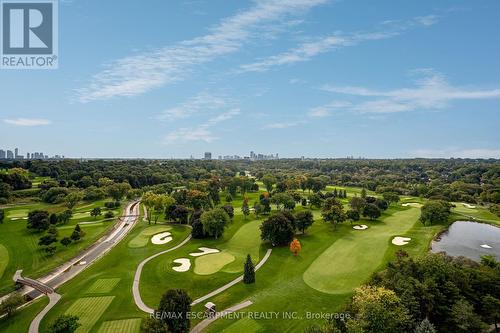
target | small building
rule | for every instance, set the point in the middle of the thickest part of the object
(210, 309)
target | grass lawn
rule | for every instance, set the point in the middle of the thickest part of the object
(122, 326)
(144, 237)
(16, 239)
(103, 286)
(89, 310)
(20, 321)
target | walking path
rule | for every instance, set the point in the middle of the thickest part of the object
(232, 283)
(137, 278)
(204, 323)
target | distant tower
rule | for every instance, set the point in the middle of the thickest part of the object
(2, 154)
(208, 156)
(16, 152)
(10, 155)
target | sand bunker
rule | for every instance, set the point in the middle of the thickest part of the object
(185, 265)
(360, 227)
(412, 204)
(466, 205)
(204, 250)
(161, 238)
(485, 246)
(399, 241)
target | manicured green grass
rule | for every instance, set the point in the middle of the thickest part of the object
(143, 238)
(121, 326)
(30, 257)
(477, 213)
(21, 320)
(233, 253)
(89, 310)
(4, 259)
(212, 263)
(349, 261)
(244, 325)
(103, 286)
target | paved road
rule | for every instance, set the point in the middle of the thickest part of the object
(204, 323)
(232, 283)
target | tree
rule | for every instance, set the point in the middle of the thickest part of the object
(277, 229)
(269, 182)
(465, 319)
(315, 200)
(47, 240)
(77, 233)
(371, 211)
(381, 204)
(95, 212)
(379, 310)
(435, 211)
(303, 220)
(229, 210)
(65, 241)
(10, 305)
(229, 198)
(2, 215)
(357, 204)
(64, 324)
(65, 216)
(333, 211)
(153, 325)
(352, 215)
(148, 200)
(180, 214)
(196, 199)
(248, 271)
(5, 191)
(174, 309)
(390, 197)
(491, 310)
(214, 222)
(118, 191)
(295, 247)
(363, 193)
(72, 199)
(38, 220)
(244, 208)
(425, 326)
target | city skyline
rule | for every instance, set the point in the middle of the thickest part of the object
(304, 78)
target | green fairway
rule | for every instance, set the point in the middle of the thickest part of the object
(233, 253)
(350, 260)
(246, 325)
(103, 286)
(121, 326)
(89, 310)
(143, 238)
(4, 259)
(212, 263)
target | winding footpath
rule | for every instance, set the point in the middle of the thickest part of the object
(204, 323)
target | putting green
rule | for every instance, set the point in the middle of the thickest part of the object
(143, 238)
(89, 310)
(18, 213)
(212, 263)
(233, 253)
(103, 286)
(351, 260)
(122, 326)
(4, 259)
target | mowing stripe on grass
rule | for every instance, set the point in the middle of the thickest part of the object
(103, 286)
(4, 259)
(89, 310)
(122, 326)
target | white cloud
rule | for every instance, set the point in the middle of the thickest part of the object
(199, 103)
(308, 50)
(457, 153)
(325, 110)
(283, 125)
(138, 74)
(201, 132)
(432, 92)
(27, 122)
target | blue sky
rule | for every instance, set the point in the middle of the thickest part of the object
(319, 78)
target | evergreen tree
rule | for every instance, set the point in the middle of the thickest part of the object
(425, 326)
(249, 271)
(345, 194)
(363, 193)
(335, 194)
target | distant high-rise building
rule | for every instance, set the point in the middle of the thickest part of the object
(27, 156)
(2, 154)
(208, 156)
(16, 152)
(10, 155)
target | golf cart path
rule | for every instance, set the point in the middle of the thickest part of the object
(137, 278)
(204, 323)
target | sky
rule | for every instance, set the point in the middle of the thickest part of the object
(313, 78)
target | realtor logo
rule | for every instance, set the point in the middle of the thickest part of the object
(29, 34)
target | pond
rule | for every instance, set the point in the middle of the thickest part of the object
(469, 239)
